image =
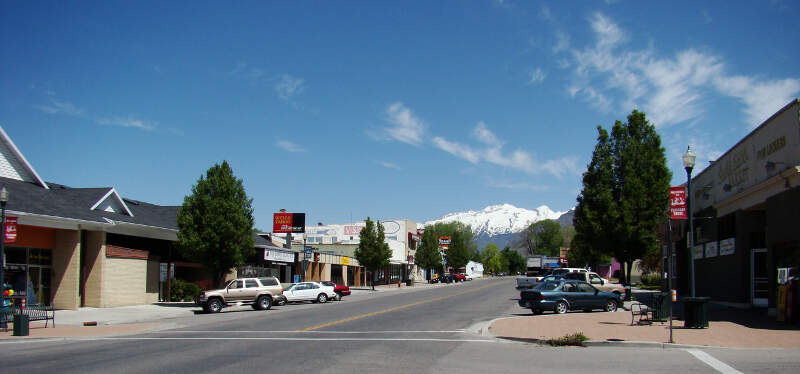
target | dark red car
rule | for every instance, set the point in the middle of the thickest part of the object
(339, 289)
(459, 277)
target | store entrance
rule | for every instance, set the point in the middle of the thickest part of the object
(759, 275)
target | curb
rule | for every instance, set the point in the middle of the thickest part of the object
(638, 344)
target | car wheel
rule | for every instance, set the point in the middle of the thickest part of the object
(561, 307)
(281, 302)
(213, 306)
(611, 306)
(322, 298)
(264, 302)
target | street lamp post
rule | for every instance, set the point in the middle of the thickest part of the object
(3, 201)
(688, 164)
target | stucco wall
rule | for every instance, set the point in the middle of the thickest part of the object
(66, 271)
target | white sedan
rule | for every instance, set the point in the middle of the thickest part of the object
(309, 291)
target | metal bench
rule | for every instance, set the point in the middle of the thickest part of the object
(650, 307)
(34, 312)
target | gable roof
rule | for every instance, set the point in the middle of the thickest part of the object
(17, 162)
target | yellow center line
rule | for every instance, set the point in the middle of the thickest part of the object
(353, 318)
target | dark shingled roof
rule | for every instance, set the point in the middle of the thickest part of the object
(75, 203)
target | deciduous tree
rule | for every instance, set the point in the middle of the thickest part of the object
(373, 252)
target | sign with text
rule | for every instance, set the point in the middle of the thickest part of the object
(289, 222)
(727, 246)
(444, 241)
(10, 230)
(712, 249)
(677, 203)
(698, 251)
(279, 256)
(352, 230)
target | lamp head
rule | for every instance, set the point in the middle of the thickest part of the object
(4, 195)
(689, 158)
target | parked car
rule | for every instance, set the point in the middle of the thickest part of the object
(458, 277)
(598, 282)
(340, 290)
(260, 293)
(309, 291)
(565, 294)
(466, 277)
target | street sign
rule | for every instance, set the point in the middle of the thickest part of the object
(677, 203)
(307, 253)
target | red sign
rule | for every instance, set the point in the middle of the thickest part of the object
(11, 230)
(289, 222)
(677, 203)
(444, 241)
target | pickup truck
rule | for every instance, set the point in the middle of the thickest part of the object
(597, 281)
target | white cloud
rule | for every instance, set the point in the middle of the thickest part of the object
(670, 90)
(545, 14)
(389, 165)
(127, 122)
(562, 42)
(407, 128)
(516, 186)
(707, 17)
(537, 76)
(288, 86)
(289, 146)
(61, 107)
(485, 136)
(457, 149)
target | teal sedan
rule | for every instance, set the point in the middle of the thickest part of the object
(563, 295)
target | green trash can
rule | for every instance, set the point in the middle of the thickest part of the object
(409, 282)
(695, 312)
(21, 325)
(662, 302)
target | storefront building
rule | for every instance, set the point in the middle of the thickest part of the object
(745, 208)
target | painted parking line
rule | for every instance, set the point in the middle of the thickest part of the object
(312, 332)
(393, 309)
(713, 362)
(294, 339)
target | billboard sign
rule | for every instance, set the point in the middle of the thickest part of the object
(289, 222)
(677, 203)
(279, 256)
(352, 230)
(534, 262)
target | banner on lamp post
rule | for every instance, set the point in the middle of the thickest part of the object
(10, 231)
(677, 203)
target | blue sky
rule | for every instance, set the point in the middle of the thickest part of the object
(344, 110)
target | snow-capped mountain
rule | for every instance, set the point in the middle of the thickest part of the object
(500, 219)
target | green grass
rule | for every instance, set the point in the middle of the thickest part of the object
(575, 339)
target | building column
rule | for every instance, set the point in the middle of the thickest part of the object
(344, 275)
(66, 270)
(94, 257)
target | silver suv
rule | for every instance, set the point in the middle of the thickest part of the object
(260, 293)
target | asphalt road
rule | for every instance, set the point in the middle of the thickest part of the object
(429, 331)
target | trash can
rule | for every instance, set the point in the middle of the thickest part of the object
(662, 302)
(695, 312)
(20, 325)
(409, 282)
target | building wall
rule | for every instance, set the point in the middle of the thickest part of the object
(94, 253)
(125, 282)
(66, 270)
(783, 240)
(151, 287)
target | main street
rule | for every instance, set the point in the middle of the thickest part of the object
(432, 330)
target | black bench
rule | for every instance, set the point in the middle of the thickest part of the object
(650, 307)
(34, 312)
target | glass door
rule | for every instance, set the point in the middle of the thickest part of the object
(759, 276)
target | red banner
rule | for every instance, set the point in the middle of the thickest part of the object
(11, 230)
(677, 203)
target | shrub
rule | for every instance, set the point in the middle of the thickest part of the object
(576, 339)
(651, 279)
(181, 290)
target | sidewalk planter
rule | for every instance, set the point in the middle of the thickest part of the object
(21, 325)
(695, 312)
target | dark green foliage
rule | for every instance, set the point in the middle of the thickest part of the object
(181, 290)
(462, 246)
(542, 238)
(373, 252)
(428, 255)
(516, 263)
(652, 279)
(575, 339)
(457, 253)
(216, 223)
(624, 197)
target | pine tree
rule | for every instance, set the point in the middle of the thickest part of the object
(428, 255)
(373, 252)
(216, 223)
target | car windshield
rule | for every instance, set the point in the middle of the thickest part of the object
(289, 287)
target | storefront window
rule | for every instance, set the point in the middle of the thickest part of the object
(28, 273)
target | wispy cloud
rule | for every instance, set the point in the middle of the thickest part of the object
(389, 165)
(127, 122)
(706, 17)
(671, 90)
(61, 107)
(289, 146)
(562, 41)
(462, 151)
(289, 86)
(406, 127)
(536, 76)
(516, 186)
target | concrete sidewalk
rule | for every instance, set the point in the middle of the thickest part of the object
(728, 327)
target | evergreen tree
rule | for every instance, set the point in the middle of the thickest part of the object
(216, 223)
(625, 193)
(428, 255)
(516, 263)
(373, 252)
